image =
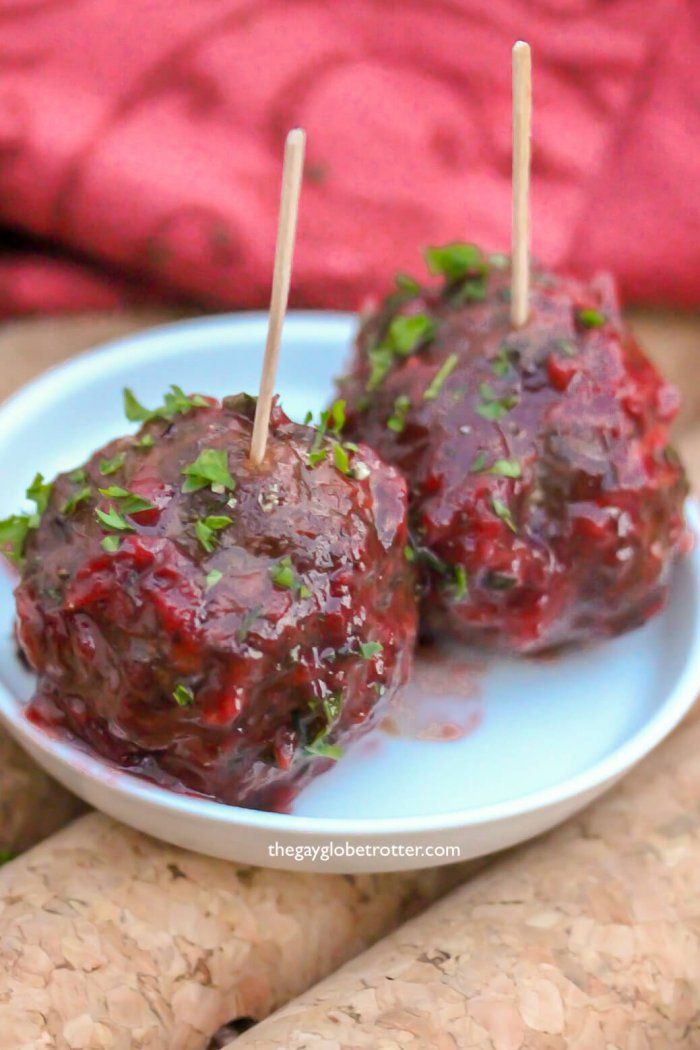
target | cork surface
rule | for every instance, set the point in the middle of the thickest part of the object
(587, 940)
(113, 941)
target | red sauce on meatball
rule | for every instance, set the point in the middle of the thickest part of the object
(546, 504)
(219, 626)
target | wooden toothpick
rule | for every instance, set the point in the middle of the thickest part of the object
(522, 121)
(284, 253)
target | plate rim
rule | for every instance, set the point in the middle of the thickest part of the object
(627, 754)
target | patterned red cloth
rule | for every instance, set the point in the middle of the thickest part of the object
(141, 142)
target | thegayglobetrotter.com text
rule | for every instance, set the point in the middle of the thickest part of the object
(328, 851)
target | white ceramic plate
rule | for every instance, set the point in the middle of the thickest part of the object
(484, 757)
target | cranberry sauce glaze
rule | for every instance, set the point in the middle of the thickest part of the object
(231, 637)
(546, 505)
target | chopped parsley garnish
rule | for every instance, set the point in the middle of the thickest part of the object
(175, 403)
(501, 362)
(493, 407)
(13, 533)
(397, 421)
(405, 283)
(210, 469)
(129, 502)
(455, 261)
(319, 748)
(404, 335)
(78, 497)
(110, 544)
(333, 421)
(478, 463)
(506, 468)
(183, 696)
(444, 371)
(111, 466)
(409, 554)
(77, 475)
(590, 318)
(471, 291)
(461, 585)
(39, 492)
(213, 577)
(205, 529)
(14, 529)
(341, 459)
(316, 456)
(147, 441)
(113, 520)
(381, 358)
(283, 575)
(504, 513)
(370, 649)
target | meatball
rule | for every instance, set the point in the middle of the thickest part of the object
(546, 504)
(214, 625)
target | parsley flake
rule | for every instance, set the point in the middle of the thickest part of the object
(110, 544)
(111, 466)
(183, 696)
(590, 318)
(78, 497)
(506, 468)
(381, 358)
(210, 468)
(341, 459)
(491, 406)
(213, 577)
(175, 403)
(39, 492)
(370, 649)
(129, 502)
(455, 261)
(446, 369)
(501, 362)
(319, 748)
(461, 583)
(113, 520)
(14, 529)
(283, 575)
(397, 421)
(205, 528)
(13, 533)
(404, 335)
(504, 513)
(405, 283)
(478, 463)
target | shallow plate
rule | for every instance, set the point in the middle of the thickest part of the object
(476, 756)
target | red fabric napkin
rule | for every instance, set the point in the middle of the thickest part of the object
(141, 143)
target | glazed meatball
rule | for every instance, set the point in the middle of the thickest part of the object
(214, 625)
(546, 504)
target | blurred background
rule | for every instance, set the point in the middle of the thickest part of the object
(141, 145)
